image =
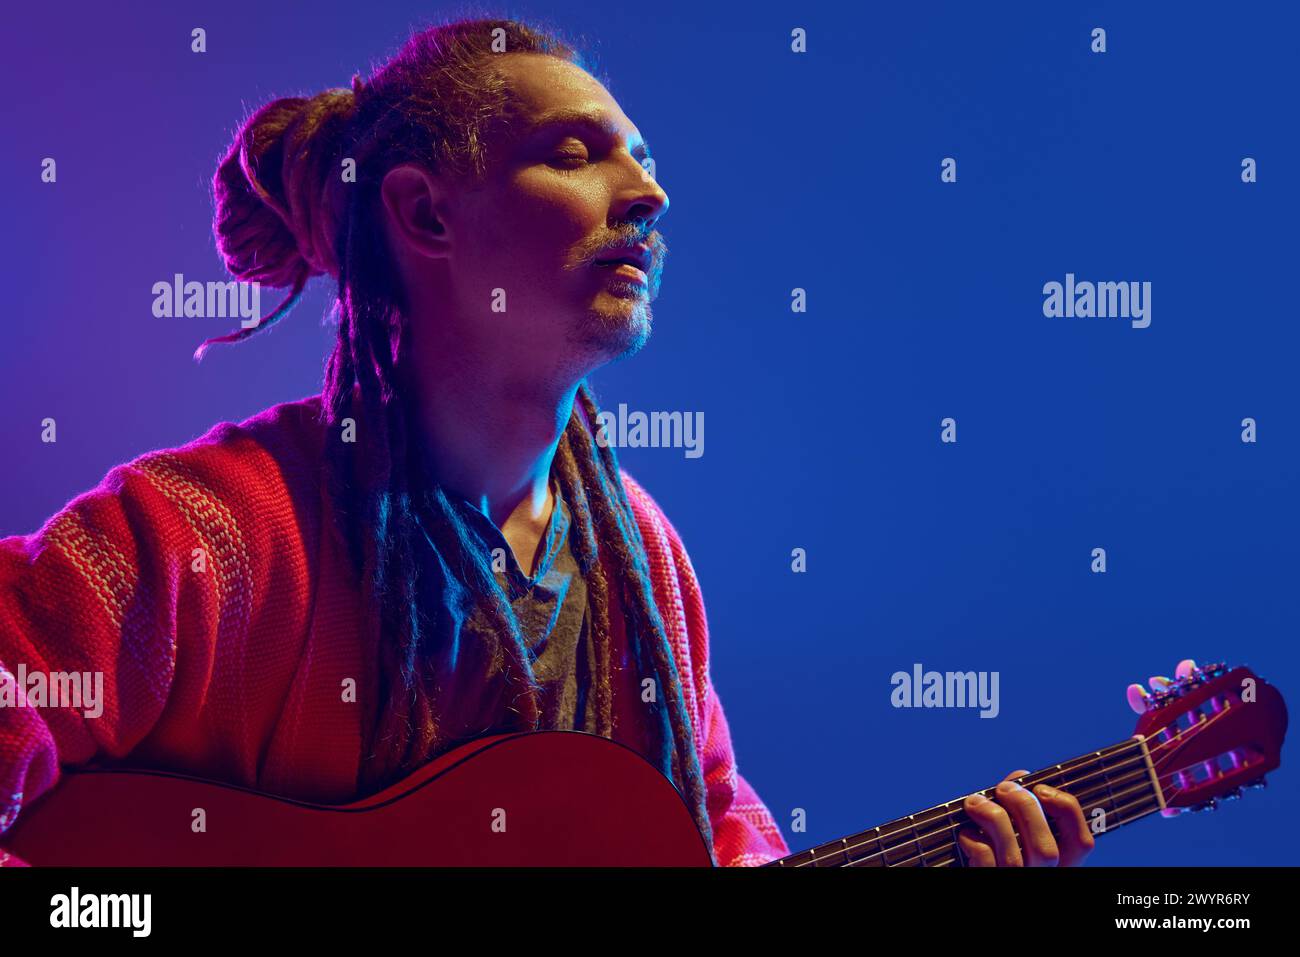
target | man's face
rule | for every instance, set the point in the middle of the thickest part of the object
(565, 197)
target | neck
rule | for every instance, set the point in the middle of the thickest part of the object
(491, 439)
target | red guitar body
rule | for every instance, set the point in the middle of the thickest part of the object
(552, 798)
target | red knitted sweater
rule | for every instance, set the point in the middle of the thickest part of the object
(233, 675)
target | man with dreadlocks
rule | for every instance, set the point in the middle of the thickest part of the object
(440, 527)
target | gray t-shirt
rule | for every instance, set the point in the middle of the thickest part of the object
(551, 607)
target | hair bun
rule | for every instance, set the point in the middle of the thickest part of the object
(277, 208)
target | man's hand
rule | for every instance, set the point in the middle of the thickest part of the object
(994, 844)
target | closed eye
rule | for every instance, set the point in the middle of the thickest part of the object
(570, 152)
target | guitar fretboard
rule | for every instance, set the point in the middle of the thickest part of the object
(1115, 786)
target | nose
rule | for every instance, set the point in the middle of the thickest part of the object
(642, 199)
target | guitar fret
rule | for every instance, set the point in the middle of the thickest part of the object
(835, 858)
(958, 859)
(863, 850)
(877, 858)
(916, 837)
(899, 851)
(937, 836)
(929, 838)
(1125, 799)
(1110, 806)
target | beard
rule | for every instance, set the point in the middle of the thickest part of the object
(613, 333)
(617, 323)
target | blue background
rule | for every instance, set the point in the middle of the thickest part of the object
(818, 171)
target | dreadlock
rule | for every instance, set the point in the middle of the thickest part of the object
(283, 215)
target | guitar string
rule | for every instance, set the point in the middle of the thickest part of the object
(1196, 728)
(1067, 785)
(953, 844)
(1046, 773)
(948, 827)
(1084, 797)
(942, 848)
(855, 862)
(921, 856)
(1201, 725)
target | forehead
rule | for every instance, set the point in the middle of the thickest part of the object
(546, 90)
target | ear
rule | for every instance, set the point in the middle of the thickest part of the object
(412, 200)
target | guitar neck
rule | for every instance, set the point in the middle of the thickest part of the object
(1115, 786)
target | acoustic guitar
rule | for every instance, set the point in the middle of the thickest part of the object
(560, 798)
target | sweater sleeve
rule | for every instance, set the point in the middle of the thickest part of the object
(745, 834)
(744, 831)
(66, 592)
(93, 593)
(101, 592)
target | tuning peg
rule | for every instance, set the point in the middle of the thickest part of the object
(1211, 805)
(1231, 795)
(1256, 785)
(1138, 699)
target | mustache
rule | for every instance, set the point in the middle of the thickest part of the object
(629, 235)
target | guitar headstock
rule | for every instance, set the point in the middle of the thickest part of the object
(1211, 734)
